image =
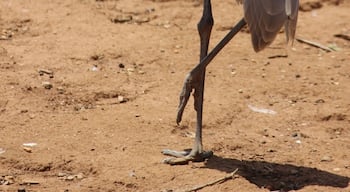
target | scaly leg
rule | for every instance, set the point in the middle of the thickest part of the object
(196, 154)
(195, 80)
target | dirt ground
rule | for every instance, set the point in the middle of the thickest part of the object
(89, 92)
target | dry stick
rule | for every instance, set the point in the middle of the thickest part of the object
(225, 178)
(314, 44)
(343, 36)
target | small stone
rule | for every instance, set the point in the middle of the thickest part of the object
(319, 101)
(47, 85)
(27, 149)
(80, 176)
(121, 99)
(61, 174)
(70, 177)
(30, 182)
(9, 179)
(121, 19)
(132, 173)
(336, 169)
(130, 70)
(60, 90)
(21, 190)
(326, 159)
(94, 68)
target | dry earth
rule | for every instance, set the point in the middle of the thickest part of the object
(95, 84)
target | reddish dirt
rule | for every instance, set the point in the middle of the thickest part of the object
(117, 71)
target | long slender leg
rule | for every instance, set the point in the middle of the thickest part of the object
(204, 29)
(195, 80)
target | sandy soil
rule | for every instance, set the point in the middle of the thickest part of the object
(95, 85)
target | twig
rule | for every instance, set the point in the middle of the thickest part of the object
(45, 71)
(220, 180)
(314, 44)
(343, 36)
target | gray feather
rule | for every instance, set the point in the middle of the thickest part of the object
(265, 19)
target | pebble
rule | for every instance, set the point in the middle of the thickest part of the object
(61, 174)
(79, 176)
(27, 149)
(21, 190)
(121, 19)
(47, 85)
(60, 90)
(29, 144)
(336, 169)
(121, 99)
(121, 65)
(326, 159)
(70, 177)
(94, 68)
(30, 182)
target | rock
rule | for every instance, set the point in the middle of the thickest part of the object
(47, 85)
(326, 158)
(79, 176)
(70, 177)
(9, 179)
(30, 182)
(336, 169)
(21, 190)
(60, 90)
(121, 99)
(121, 19)
(2, 150)
(61, 174)
(27, 149)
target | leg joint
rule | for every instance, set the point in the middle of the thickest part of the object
(206, 23)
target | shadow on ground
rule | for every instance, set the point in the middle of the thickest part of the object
(273, 176)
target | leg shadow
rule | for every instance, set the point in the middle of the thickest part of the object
(274, 176)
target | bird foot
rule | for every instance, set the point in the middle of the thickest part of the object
(184, 157)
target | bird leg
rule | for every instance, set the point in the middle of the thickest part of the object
(195, 80)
